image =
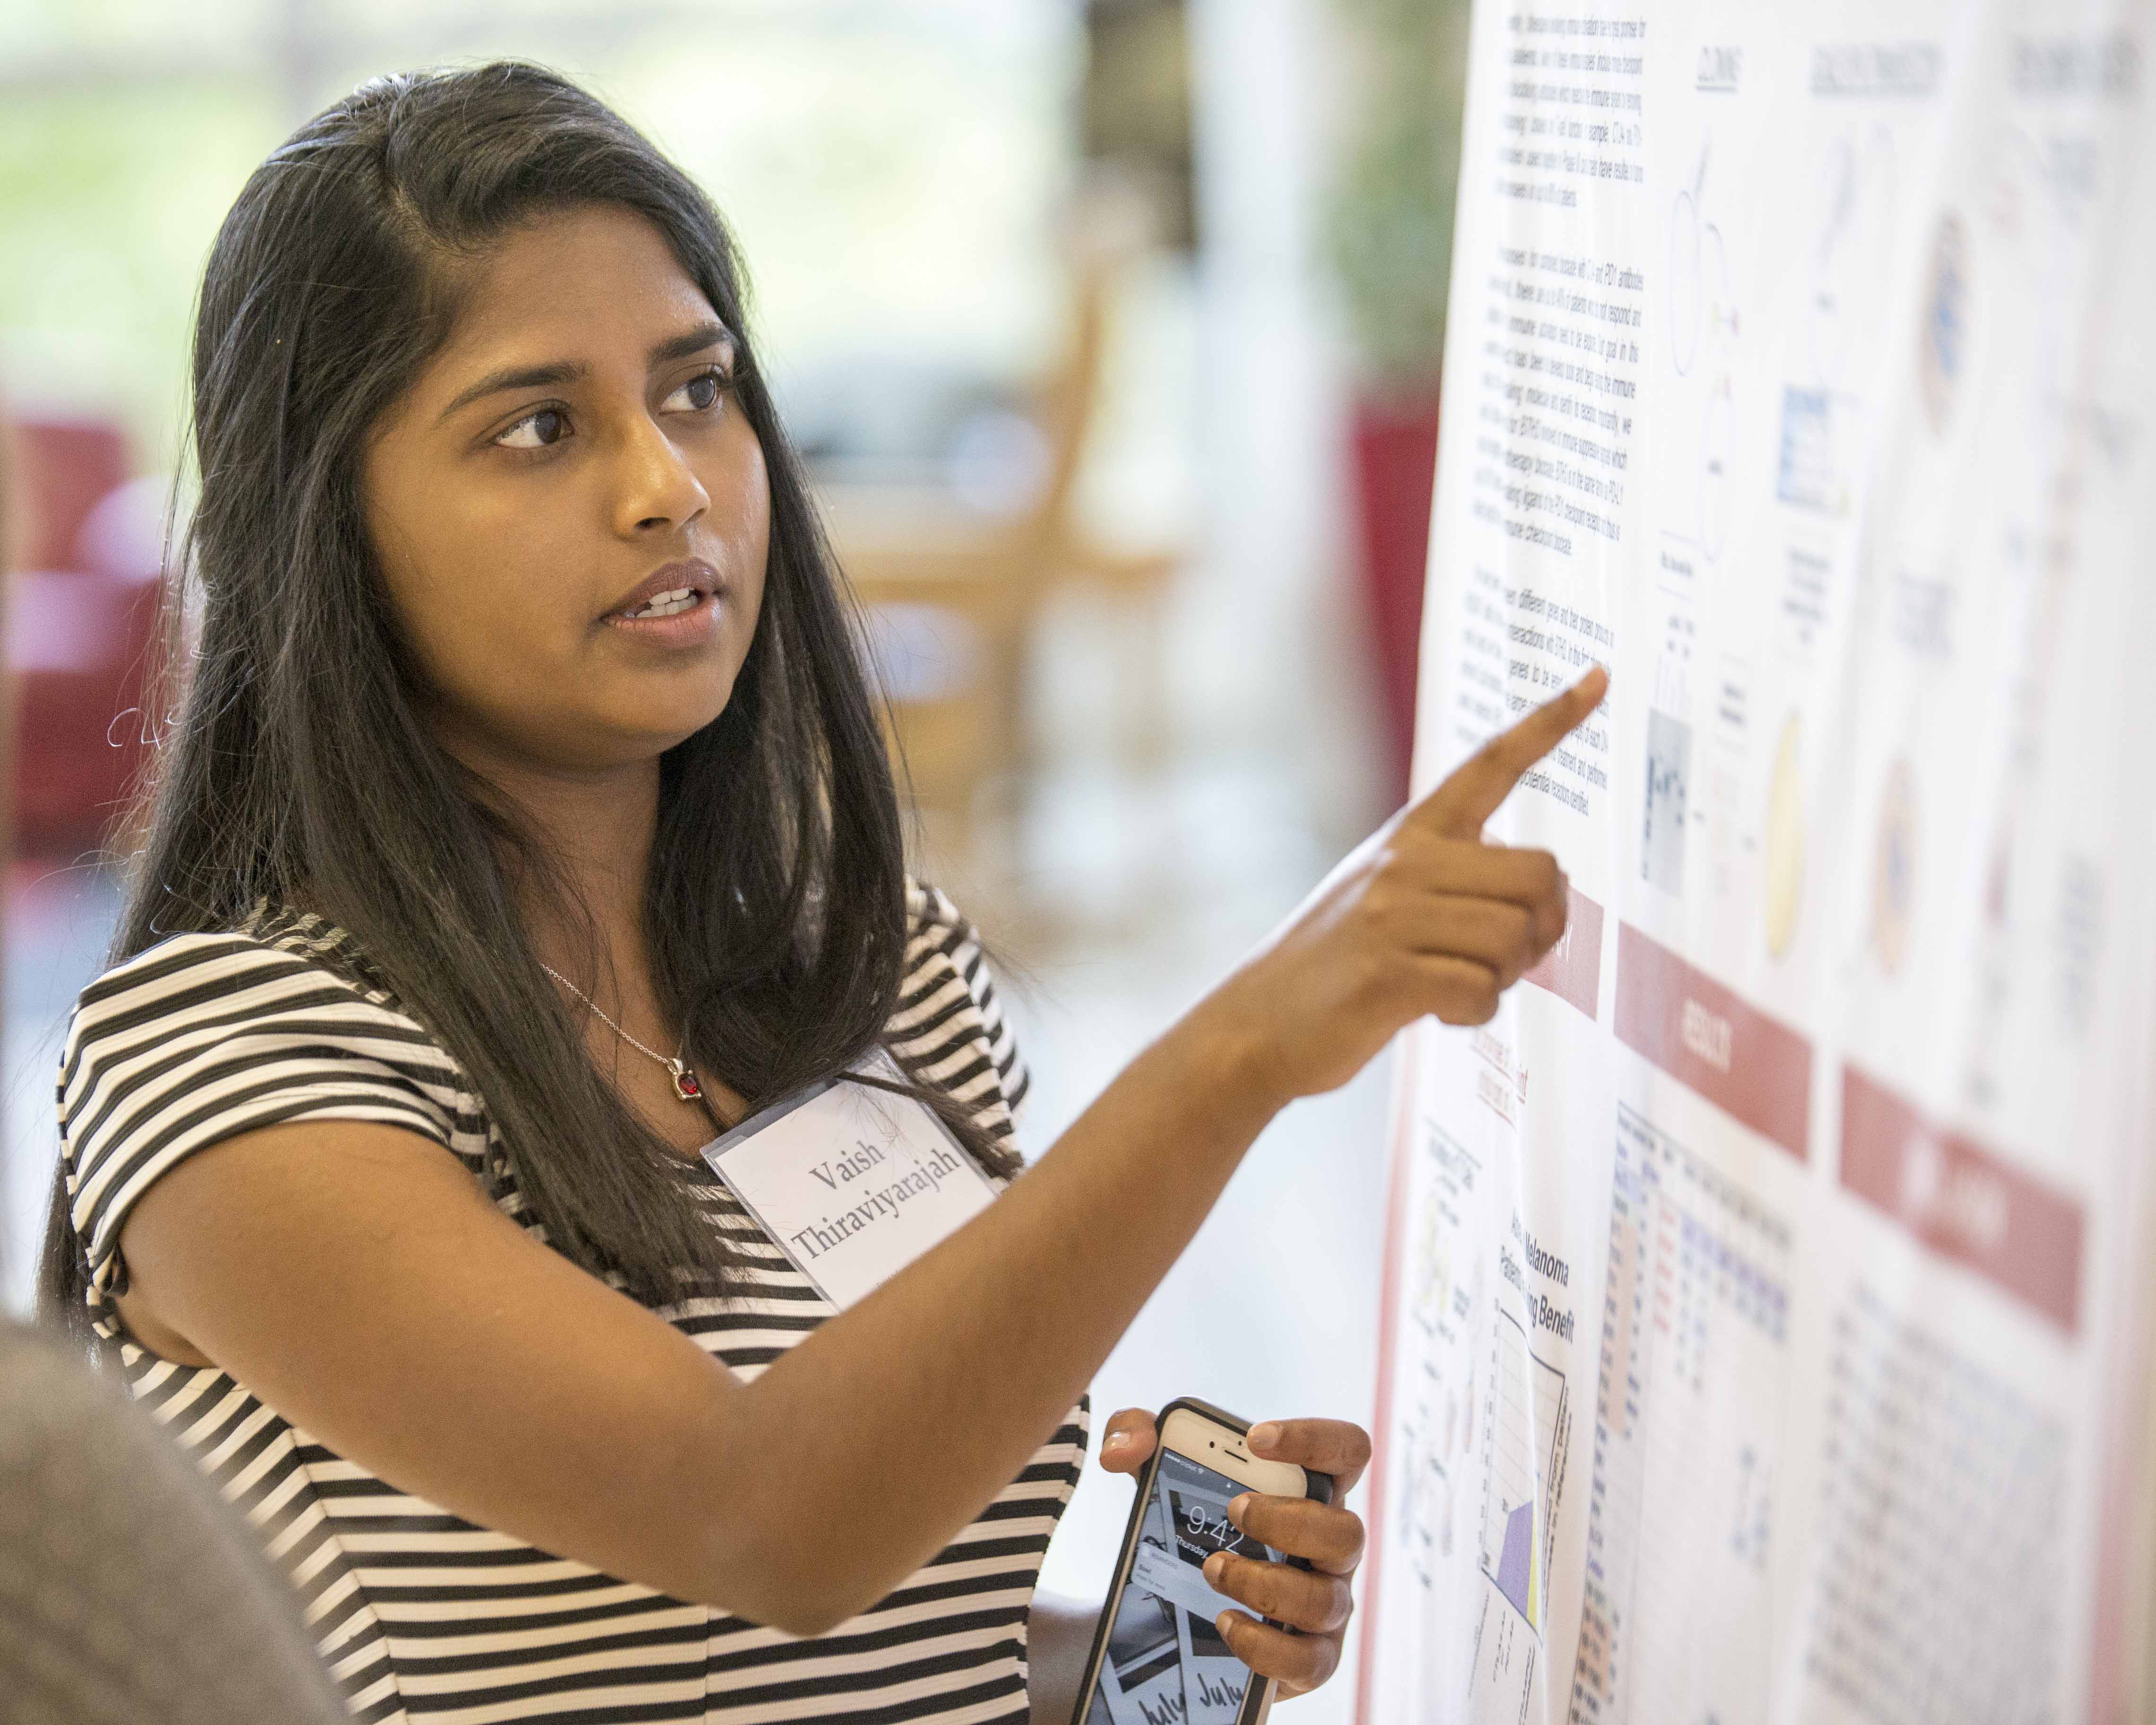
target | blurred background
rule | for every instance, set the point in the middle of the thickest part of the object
(1111, 329)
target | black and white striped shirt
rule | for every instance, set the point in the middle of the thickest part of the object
(421, 1614)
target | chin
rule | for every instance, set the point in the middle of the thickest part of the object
(684, 726)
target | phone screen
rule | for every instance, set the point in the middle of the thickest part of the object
(1166, 1664)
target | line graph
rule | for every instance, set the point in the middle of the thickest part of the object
(1527, 1418)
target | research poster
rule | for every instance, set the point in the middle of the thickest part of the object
(1767, 1298)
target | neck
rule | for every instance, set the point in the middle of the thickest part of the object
(598, 825)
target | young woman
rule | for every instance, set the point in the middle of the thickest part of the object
(526, 821)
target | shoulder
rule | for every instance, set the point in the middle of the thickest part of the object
(210, 990)
(931, 918)
(205, 1035)
(949, 1026)
(947, 968)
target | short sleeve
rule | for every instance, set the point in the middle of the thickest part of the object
(204, 1036)
(950, 1028)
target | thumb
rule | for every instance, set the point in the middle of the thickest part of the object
(1126, 1442)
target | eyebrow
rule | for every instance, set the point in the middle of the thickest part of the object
(564, 370)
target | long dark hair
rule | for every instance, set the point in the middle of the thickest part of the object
(297, 768)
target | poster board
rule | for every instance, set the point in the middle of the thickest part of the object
(1766, 1299)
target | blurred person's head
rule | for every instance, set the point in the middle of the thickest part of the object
(471, 364)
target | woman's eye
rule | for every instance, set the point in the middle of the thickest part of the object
(536, 431)
(699, 395)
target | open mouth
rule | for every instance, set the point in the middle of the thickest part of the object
(676, 605)
(671, 603)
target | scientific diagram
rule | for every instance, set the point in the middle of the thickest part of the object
(1526, 1426)
(1702, 335)
(1669, 777)
(1894, 868)
(2036, 215)
(1700, 310)
(1940, 352)
(1438, 1433)
(1524, 1431)
(1785, 841)
(1854, 223)
(1831, 345)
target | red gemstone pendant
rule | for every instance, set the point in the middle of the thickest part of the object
(685, 1083)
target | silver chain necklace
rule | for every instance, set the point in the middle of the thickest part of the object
(685, 1085)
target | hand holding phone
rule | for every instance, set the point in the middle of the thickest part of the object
(1225, 1515)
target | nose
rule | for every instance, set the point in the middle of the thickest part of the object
(656, 490)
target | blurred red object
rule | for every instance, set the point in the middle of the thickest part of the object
(69, 466)
(80, 616)
(1395, 448)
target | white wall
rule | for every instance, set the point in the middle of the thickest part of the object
(1279, 586)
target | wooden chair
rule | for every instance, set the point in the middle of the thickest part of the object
(953, 596)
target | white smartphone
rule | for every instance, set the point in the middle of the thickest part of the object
(1157, 1658)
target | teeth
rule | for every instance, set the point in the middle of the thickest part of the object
(669, 604)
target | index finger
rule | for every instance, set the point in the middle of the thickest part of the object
(1457, 807)
(1327, 1536)
(1331, 1446)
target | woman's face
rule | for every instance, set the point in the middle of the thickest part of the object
(571, 456)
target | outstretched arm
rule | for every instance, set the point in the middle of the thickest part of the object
(354, 1276)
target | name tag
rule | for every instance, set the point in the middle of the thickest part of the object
(853, 1183)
